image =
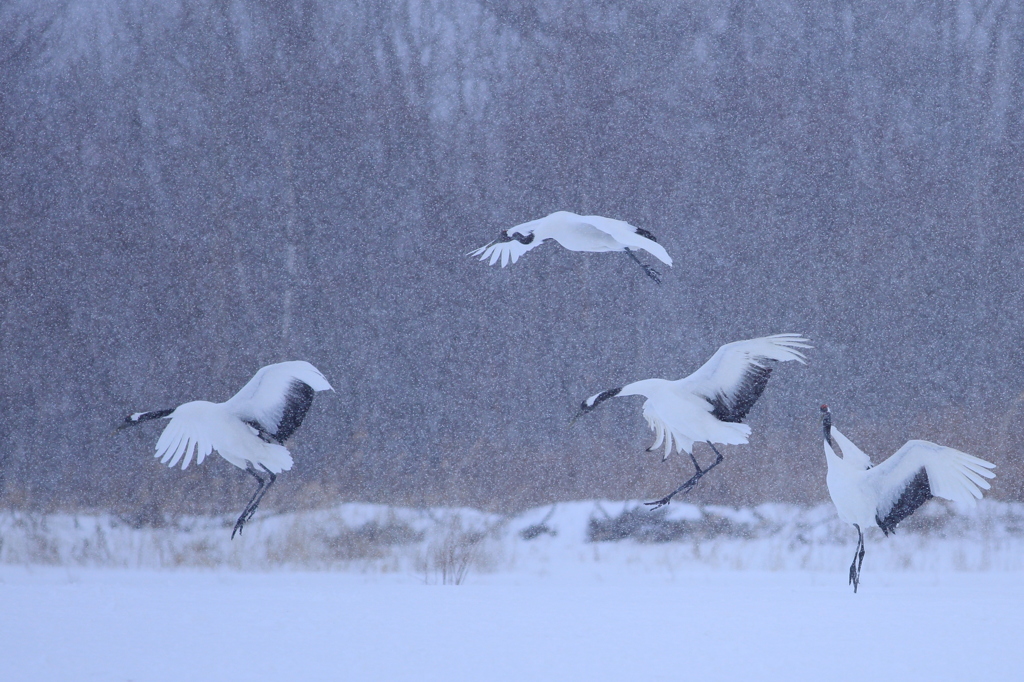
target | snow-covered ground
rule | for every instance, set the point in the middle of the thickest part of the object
(697, 593)
(590, 536)
(103, 624)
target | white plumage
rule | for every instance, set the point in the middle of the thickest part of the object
(709, 404)
(248, 430)
(200, 427)
(881, 496)
(576, 233)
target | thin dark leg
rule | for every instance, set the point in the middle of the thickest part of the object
(693, 459)
(860, 560)
(244, 516)
(857, 554)
(689, 484)
(256, 502)
(254, 472)
(651, 272)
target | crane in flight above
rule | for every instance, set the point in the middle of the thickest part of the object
(881, 496)
(576, 233)
(710, 404)
(248, 430)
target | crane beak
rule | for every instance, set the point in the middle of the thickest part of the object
(574, 418)
(124, 425)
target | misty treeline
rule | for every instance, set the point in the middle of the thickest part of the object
(191, 190)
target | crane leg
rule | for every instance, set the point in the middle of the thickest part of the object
(254, 501)
(686, 487)
(651, 272)
(858, 559)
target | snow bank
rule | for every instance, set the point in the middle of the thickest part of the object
(445, 545)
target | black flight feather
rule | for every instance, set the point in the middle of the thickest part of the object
(734, 409)
(296, 404)
(917, 492)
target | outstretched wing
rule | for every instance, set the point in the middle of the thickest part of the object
(736, 375)
(198, 428)
(508, 248)
(629, 235)
(278, 397)
(676, 419)
(920, 470)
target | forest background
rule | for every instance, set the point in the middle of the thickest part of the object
(190, 190)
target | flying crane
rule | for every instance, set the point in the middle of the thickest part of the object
(248, 430)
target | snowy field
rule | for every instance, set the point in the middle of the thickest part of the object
(90, 624)
(358, 593)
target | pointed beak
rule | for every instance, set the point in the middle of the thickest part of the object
(574, 418)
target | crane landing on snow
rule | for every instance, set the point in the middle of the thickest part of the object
(576, 233)
(710, 404)
(881, 496)
(248, 430)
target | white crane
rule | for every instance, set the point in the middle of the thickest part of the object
(249, 430)
(710, 404)
(881, 496)
(576, 233)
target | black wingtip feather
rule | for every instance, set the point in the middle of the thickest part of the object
(917, 492)
(750, 389)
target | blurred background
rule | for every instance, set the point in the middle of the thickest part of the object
(190, 190)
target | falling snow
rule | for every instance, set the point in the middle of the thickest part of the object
(192, 190)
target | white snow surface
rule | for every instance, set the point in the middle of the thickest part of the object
(189, 624)
(756, 593)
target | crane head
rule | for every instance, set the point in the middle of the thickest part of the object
(826, 424)
(139, 417)
(593, 401)
(517, 236)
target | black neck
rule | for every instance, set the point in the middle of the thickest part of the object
(645, 234)
(601, 397)
(522, 239)
(140, 417)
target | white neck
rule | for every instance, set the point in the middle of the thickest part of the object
(646, 387)
(830, 455)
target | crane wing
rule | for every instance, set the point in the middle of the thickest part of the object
(278, 397)
(629, 235)
(507, 251)
(920, 470)
(198, 428)
(674, 423)
(736, 375)
(851, 453)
